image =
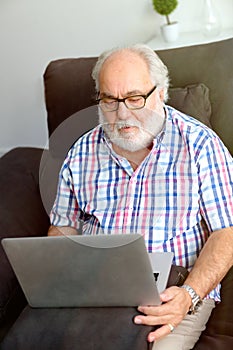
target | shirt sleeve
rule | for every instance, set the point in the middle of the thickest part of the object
(65, 211)
(215, 166)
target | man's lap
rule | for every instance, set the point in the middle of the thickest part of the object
(77, 328)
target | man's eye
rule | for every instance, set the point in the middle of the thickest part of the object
(134, 99)
(108, 101)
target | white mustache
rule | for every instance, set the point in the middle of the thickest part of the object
(124, 124)
(151, 127)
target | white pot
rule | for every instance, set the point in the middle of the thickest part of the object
(170, 32)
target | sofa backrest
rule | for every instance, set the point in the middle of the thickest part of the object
(69, 87)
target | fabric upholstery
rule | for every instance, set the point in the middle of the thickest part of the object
(22, 214)
(74, 88)
(219, 332)
(193, 100)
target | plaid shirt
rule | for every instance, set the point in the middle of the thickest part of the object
(180, 193)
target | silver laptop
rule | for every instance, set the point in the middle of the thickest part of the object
(83, 271)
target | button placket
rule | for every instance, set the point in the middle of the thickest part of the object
(129, 205)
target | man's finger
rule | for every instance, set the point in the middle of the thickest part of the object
(160, 332)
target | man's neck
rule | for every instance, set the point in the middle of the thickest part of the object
(134, 158)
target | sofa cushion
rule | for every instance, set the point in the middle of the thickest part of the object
(69, 88)
(193, 100)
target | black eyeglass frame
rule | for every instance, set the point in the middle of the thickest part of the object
(98, 100)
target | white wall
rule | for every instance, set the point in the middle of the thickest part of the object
(34, 32)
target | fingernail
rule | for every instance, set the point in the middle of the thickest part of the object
(137, 320)
(151, 339)
(163, 295)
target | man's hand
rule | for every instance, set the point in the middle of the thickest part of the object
(214, 261)
(61, 231)
(176, 303)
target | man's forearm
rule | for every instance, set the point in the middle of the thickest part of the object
(215, 259)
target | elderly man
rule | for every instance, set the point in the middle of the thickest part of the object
(150, 169)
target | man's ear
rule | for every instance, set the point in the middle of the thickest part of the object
(161, 95)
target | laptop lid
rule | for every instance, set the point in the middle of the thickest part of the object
(83, 271)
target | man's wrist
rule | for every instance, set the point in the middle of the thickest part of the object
(195, 298)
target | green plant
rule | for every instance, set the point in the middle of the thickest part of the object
(165, 7)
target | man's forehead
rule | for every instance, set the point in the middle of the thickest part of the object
(123, 58)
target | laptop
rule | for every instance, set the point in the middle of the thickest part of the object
(84, 271)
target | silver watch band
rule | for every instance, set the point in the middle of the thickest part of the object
(196, 299)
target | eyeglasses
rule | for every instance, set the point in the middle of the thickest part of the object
(111, 104)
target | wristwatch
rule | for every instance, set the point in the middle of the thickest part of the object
(196, 299)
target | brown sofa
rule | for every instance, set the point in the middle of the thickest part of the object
(202, 85)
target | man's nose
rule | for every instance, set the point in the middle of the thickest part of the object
(123, 112)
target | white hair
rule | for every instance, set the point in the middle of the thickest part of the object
(157, 69)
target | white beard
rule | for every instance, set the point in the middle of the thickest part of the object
(147, 130)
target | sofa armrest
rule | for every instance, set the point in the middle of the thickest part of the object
(20, 200)
(22, 214)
